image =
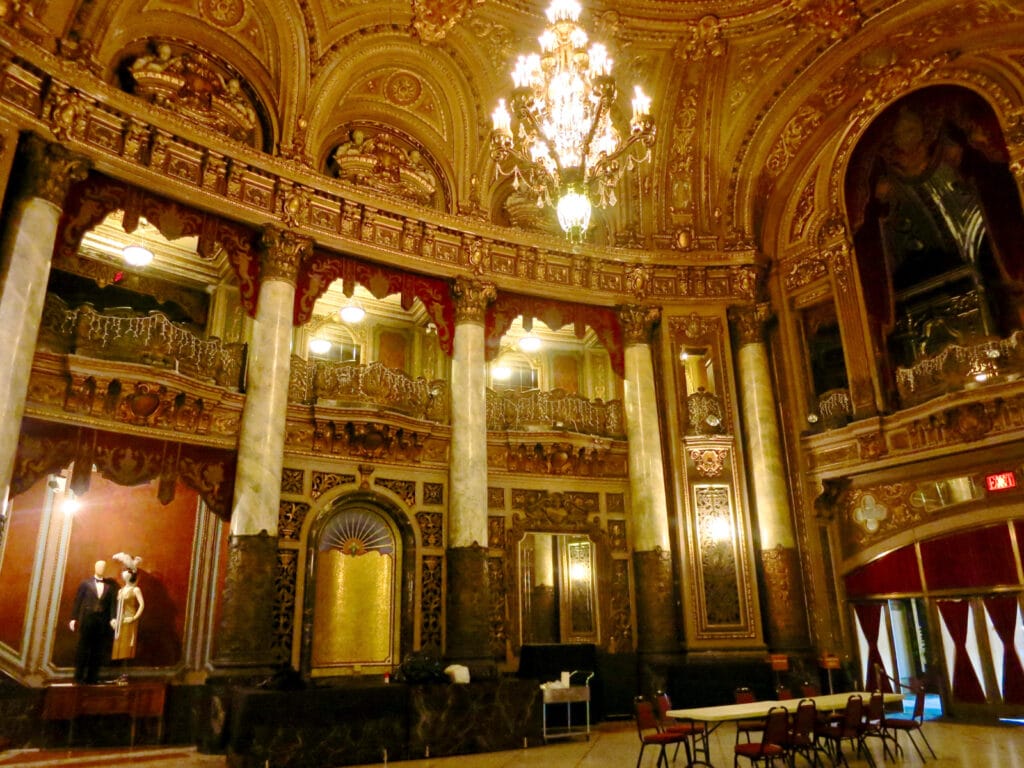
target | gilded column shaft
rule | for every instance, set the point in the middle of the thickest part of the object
(779, 560)
(648, 503)
(26, 251)
(264, 415)
(764, 452)
(467, 525)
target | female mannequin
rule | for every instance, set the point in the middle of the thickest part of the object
(129, 608)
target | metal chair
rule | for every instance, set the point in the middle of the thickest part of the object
(847, 729)
(650, 732)
(744, 696)
(772, 745)
(910, 725)
(696, 732)
(872, 724)
(803, 734)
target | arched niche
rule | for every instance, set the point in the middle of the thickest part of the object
(359, 587)
(559, 576)
(935, 217)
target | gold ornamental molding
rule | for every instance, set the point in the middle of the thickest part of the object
(128, 139)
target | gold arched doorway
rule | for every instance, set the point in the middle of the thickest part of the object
(354, 591)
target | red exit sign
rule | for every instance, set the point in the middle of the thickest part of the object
(1001, 481)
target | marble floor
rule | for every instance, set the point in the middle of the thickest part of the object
(611, 745)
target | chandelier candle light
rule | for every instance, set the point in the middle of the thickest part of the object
(564, 142)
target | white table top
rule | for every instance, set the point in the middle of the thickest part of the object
(755, 709)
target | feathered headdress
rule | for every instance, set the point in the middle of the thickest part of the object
(129, 562)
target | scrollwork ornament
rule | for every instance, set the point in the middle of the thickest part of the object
(638, 322)
(471, 299)
(51, 170)
(283, 252)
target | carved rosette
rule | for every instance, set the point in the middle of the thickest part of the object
(749, 323)
(655, 604)
(50, 170)
(787, 622)
(638, 322)
(246, 633)
(282, 253)
(471, 300)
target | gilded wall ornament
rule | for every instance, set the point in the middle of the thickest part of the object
(750, 323)
(434, 19)
(709, 462)
(638, 323)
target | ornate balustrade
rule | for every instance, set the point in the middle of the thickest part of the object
(533, 410)
(957, 367)
(834, 408)
(151, 339)
(330, 383)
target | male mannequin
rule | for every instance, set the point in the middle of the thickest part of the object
(94, 607)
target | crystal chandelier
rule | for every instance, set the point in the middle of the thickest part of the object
(563, 144)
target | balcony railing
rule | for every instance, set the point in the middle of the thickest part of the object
(958, 367)
(353, 384)
(151, 339)
(554, 409)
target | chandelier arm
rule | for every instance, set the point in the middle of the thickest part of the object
(646, 138)
(525, 115)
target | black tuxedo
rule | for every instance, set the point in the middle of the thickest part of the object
(92, 614)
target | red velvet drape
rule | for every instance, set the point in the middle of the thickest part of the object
(966, 685)
(1004, 611)
(870, 617)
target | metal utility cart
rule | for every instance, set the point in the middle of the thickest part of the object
(578, 692)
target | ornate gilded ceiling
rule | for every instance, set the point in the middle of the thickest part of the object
(758, 104)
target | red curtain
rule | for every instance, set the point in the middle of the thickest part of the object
(966, 686)
(1003, 612)
(870, 617)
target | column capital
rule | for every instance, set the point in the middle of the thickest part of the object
(471, 299)
(749, 322)
(282, 253)
(50, 170)
(638, 322)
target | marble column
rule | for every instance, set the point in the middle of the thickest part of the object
(47, 171)
(468, 595)
(246, 631)
(657, 626)
(779, 559)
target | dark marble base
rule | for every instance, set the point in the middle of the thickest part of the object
(358, 723)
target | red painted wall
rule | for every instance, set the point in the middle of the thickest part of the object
(25, 515)
(114, 518)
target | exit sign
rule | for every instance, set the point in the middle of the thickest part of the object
(1000, 481)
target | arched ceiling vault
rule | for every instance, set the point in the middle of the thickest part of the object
(756, 101)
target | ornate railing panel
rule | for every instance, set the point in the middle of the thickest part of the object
(556, 409)
(330, 383)
(834, 408)
(958, 366)
(151, 339)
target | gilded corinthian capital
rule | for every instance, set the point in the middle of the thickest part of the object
(638, 322)
(471, 299)
(50, 170)
(749, 323)
(282, 253)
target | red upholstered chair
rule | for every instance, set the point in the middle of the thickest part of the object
(809, 690)
(910, 725)
(772, 745)
(746, 727)
(650, 732)
(803, 734)
(696, 732)
(847, 729)
(872, 724)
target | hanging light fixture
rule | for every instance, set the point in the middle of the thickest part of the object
(564, 143)
(137, 254)
(352, 312)
(529, 343)
(319, 346)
